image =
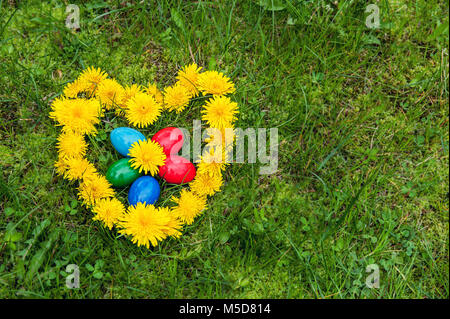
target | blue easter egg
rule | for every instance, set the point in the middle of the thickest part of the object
(123, 137)
(144, 189)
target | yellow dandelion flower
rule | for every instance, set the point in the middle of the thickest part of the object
(129, 92)
(205, 184)
(147, 156)
(110, 93)
(74, 88)
(94, 188)
(176, 97)
(212, 162)
(108, 211)
(142, 110)
(71, 144)
(146, 224)
(188, 77)
(77, 115)
(78, 168)
(152, 90)
(174, 225)
(188, 206)
(213, 82)
(219, 112)
(61, 166)
(91, 78)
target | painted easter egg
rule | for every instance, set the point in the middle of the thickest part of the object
(170, 138)
(121, 174)
(123, 137)
(177, 170)
(145, 190)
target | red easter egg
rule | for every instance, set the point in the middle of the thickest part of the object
(177, 170)
(170, 138)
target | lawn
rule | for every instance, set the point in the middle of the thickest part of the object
(362, 117)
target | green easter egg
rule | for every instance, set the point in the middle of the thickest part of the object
(121, 174)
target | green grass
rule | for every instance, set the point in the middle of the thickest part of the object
(363, 125)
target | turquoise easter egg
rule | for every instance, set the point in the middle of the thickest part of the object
(121, 174)
(144, 190)
(123, 137)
